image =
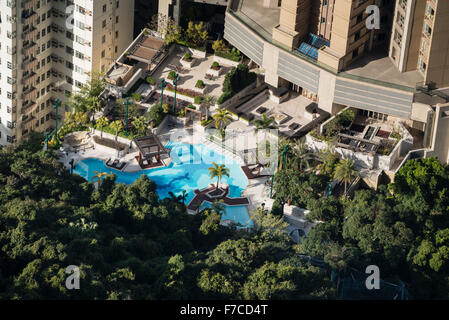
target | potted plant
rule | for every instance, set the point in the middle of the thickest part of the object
(150, 81)
(200, 86)
(171, 75)
(215, 69)
(187, 60)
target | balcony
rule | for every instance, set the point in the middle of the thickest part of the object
(28, 45)
(27, 92)
(29, 33)
(27, 123)
(28, 107)
(28, 16)
(28, 62)
(28, 77)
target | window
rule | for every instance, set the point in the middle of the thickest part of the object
(104, 8)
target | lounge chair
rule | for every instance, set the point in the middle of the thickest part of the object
(121, 165)
(293, 126)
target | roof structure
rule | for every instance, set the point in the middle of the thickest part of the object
(147, 49)
(150, 146)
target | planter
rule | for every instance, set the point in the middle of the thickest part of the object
(215, 73)
(197, 53)
(200, 90)
(226, 62)
(187, 64)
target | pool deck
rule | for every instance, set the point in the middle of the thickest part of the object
(256, 193)
(204, 195)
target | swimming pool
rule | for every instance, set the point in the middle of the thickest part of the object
(238, 214)
(187, 171)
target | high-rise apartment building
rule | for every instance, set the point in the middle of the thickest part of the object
(48, 50)
(420, 39)
(325, 50)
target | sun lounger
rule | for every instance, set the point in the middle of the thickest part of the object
(121, 165)
(261, 110)
(293, 126)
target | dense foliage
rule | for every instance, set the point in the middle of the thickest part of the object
(404, 229)
(235, 80)
(129, 243)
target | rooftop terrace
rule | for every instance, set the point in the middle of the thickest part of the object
(267, 18)
(377, 65)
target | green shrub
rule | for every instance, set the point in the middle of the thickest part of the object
(187, 56)
(136, 96)
(150, 81)
(346, 117)
(198, 100)
(224, 96)
(215, 65)
(171, 75)
(233, 54)
(199, 84)
(191, 106)
(156, 114)
(235, 80)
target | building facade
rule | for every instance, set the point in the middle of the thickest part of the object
(324, 50)
(48, 50)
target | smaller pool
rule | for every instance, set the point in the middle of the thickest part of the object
(239, 214)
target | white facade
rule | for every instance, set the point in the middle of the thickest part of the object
(48, 49)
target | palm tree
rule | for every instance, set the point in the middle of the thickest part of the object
(183, 196)
(99, 177)
(140, 123)
(218, 171)
(81, 118)
(301, 156)
(101, 123)
(93, 105)
(264, 123)
(116, 126)
(218, 207)
(328, 158)
(344, 171)
(208, 100)
(222, 117)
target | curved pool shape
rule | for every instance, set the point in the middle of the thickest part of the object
(187, 171)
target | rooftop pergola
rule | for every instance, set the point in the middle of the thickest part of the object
(149, 147)
(147, 50)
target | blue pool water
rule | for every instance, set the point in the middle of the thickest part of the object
(239, 214)
(187, 171)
